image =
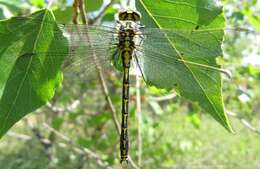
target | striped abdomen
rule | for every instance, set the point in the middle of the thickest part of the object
(126, 44)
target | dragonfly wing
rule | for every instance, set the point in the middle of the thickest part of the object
(169, 57)
(86, 62)
(83, 47)
(170, 50)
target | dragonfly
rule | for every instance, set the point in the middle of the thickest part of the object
(129, 44)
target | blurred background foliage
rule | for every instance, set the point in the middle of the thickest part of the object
(76, 129)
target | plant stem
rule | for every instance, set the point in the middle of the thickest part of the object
(102, 80)
(75, 11)
(139, 120)
(78, 149)
(101, 13)
(82, 11)
(244, 122)
(50, 4)
(128, 3)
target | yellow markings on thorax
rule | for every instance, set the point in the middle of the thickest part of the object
(129, 15)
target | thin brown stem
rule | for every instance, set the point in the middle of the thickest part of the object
(81, 150)
(128, 3)
(104, 86)
(101, 13)
(19, 136)
(75, 11)
(164, 98)
(82, 11)
(246, 123)
(50, 4)
(139, 119)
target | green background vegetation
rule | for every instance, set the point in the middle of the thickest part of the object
(175, 133)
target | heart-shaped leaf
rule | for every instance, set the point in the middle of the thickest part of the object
(28, 81)
(191, 33)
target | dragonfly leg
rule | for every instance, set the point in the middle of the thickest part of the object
(139, 66)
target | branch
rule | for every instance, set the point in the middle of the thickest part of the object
(78, 149)
(75, 11)
(101, 13)
(163, 98)
(139, 120)
(128, 3)
(19, 136)
(244, 122)
(46, 143)
(82, 11)
(104, 85)
(81, 151)
(50, 4)
(66, 108)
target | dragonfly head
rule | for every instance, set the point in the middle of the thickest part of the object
(129, 15)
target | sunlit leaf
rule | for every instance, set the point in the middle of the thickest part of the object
(192, 82)
(38, 3)
(63, 15)
(15, 6)
(93, 5)
(27, 81)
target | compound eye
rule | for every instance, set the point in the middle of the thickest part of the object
(129, 16)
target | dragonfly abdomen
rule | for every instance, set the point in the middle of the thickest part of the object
(126, 56)
(126, 47)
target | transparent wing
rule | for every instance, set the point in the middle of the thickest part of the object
(88, 46)
(167, 55)
(196, 46)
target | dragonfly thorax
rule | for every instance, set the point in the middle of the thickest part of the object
(128, 33)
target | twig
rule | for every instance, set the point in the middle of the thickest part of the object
(46, 143)
(81, 162)
(108, 99)
(84, 150)
(19, 136)
(75, 11)
(128, 3)
(103, 83)
(50, 4)
(139, 119)
(101, 13)
(163, 98)
(132, 162)
(244, 122)
(66, 108)
(82, 11)
(60, 144)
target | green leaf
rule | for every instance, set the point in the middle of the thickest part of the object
(15, 6)
(1, 13)
(93, 5)
(63, 15)
(109, 15)
(57, 122)
(201, 48)
(253, 19)
(28, 81)
(37, 3)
